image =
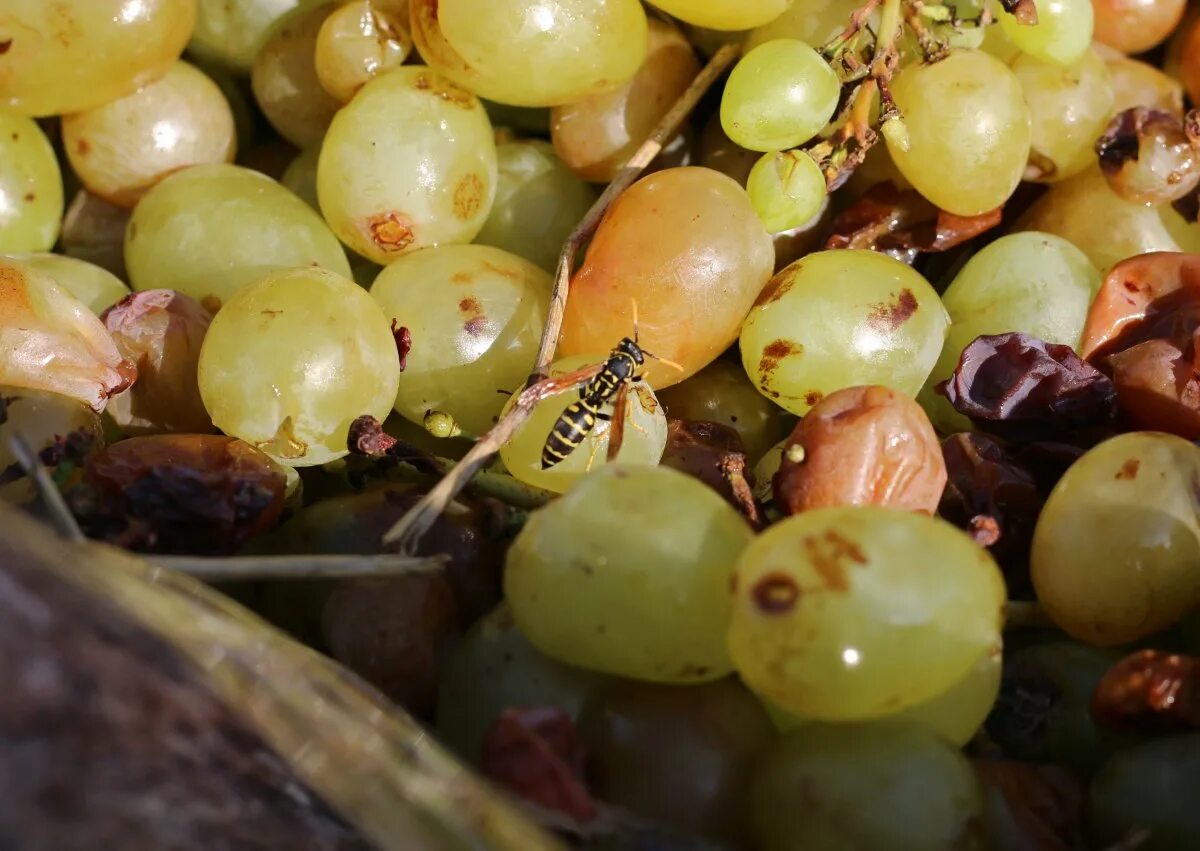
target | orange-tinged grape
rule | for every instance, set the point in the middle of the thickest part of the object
(357, 42)
(687, 246)
(1137, 83)
(724, 14)
(95, 286)
(284, 78)
(1189, 61)
(121, 149)
(31, 189)
(70, 55)
(595, 136)
(531, 54)
(51, 341)
(1135, 26)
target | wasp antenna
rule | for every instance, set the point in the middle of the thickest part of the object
(635, 319)
(663, 361)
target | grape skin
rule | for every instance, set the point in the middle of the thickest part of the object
(97, 288)
(31, 189)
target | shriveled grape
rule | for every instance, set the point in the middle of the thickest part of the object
(409, 163)
(356, 42)
(628, 573)
(475, 316)
(840, 318)
(44, 420)
(97, 288)
(1149, 158)
(31, 189)
(293, 359)
(687, 247)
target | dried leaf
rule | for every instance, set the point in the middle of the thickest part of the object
(367, 437)
(1150, 691)
(403, 342)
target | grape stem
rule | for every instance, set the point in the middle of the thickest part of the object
(256, 568)
(52, 499)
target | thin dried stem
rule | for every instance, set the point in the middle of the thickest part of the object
(416, 522)
(255, 568)
(60, 515)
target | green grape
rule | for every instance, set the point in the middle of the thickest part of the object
(1035, 283)
(1069, 107)
(284, 77)
(681, 754)
(996, 43)
(66, 56)
(293, 359)
(1116, 550)
(41, 418)
(779, 96)
(534, 120)
(724, 14)
(51, 341)
(121, 149)
(357, 42)
(94, 230)
(171, 242)
(246, 122)
(1044, 714)
(410, 162)
(968, 131)
(301, 176)
(524, 54)
(853, 613)
(495, 668)
(787, 189)
(97, 288)
(628, 573)
(811, 21)
(1085, 211)
(475, 314)
(31, 189)
(764, 473)
(230, 34)
(1149, 791)
(645, 434)
(865, 786)
(721, 393)
(1062, 34)
(838, 319)
(539, 201)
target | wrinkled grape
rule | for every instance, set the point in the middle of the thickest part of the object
(686, 245)
(628, 573)
(842, 318)
(475, 315)
(409, 163)
(45, 421)
(356, 42)
(97, 288)
(293, 359)
(31, 190)
(1148, 157)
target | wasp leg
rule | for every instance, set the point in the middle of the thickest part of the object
(592, 456)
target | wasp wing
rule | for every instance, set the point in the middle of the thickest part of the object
(548, 387)
(616, 429)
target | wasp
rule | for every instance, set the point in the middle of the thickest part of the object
(600, 384)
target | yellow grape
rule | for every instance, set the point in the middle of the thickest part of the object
(121, 149)
(814, 22)
(724, 14)
(595, 136)
(69, 55)
(687, 246)
(410, 162)
(31, 189)
(475, 314)
(854, 613)
(301, 176)
(229, 33)
(968, 131)
(524, 54)
(1137, 83)
(628, 573)
(1061, 35)
(357, 42)
(645, 434)
(96, 287)
(293, 359)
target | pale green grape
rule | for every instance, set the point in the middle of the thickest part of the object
(293, 359)
(209, 230)
(1035, 283)
(410, 162)
(1116, 551)
(97, 288)
(475, 314)
(628, 573)
(812, 21)
(495, 668)
(864, 786)
(69, 55)
(968, 131)
(49, 340)
(645, 434)
(853, 613)
(284, 77)
(787, 189)
(1148, 790)
(121, 149)
(301, 176)
(539, 201)
(31, 189)
(724, 14)
(524, 54)
(1069, 107)
(779, 95)
(841, 318)
(357, 42)
(1061, 35)
(956, 714)
(1085, 211)
(721, 393)
(765, 470)
(230, 34)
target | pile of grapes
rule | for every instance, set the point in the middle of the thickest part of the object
(742, 424)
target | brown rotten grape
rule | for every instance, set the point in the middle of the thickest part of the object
(1151, 157)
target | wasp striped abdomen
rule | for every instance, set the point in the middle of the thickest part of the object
(575, 424)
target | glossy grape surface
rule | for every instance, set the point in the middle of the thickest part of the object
(229, 34)
(31, 190)
(1061, 35)
(724, 14)
(1135, 26)
(95, 287)
(358, 41)
(787, 189)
